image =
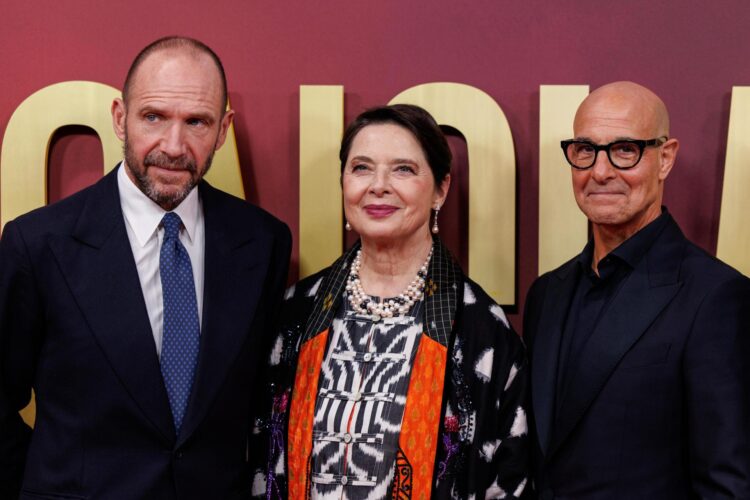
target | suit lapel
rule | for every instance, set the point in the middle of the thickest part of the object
(98, 265)
(646, 292)
(235, 271)
(547, 347)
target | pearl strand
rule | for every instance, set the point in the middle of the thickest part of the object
(397, 306)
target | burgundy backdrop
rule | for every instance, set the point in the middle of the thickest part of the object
(690, 52)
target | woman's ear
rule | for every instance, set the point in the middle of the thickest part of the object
(441, 191)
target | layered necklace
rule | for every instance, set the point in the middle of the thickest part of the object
(396, 306)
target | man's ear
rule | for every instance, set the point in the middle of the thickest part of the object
(119, 114)
(226, 121)
(668, 156)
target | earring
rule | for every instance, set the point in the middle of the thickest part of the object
(348, 226)
(435, 228)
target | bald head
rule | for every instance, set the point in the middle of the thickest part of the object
(629, 103)
(178, 45)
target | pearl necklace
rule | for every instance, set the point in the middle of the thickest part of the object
(397, 306)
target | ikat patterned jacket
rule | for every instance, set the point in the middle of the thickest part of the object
(464, 432)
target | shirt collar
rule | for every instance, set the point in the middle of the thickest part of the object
(585, 258)
(632, 250)
(144, 216)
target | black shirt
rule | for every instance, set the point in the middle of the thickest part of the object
(593, 295)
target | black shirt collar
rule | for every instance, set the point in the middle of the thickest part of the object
(631, 251)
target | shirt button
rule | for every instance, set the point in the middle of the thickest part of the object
(367, 356)
(357, 396)
(375, 318)
(344, 480)
(347, 438)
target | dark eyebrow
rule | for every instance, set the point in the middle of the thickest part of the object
(362, 158)
(404, 160)
(395, 161)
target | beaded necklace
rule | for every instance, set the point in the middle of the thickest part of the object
(396, 306)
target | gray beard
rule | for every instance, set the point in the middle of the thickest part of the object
(167, 201)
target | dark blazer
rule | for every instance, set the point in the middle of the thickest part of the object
(74, 327)
(658, 404)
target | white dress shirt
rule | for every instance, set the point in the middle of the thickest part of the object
(143, 223)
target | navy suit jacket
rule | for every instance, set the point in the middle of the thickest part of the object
(74, 327)
(658, 404)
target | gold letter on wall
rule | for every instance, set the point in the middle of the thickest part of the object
(321, 124)
(734, 231)
(492, 178)
(563, 229)
(23, 162)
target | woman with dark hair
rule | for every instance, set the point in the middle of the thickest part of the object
(394, 375)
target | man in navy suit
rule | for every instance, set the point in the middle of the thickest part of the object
(136, 309)
(640, 344)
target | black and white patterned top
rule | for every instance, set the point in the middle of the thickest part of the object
(362, 391)
(484, 450)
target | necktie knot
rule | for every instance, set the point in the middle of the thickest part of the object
(171, 223)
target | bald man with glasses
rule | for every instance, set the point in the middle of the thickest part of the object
(640, 344)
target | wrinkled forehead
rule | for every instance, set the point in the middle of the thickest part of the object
(608, 118)
(622, 109)
(178, 70)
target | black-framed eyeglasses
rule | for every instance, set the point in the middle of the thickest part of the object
(623, 154)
